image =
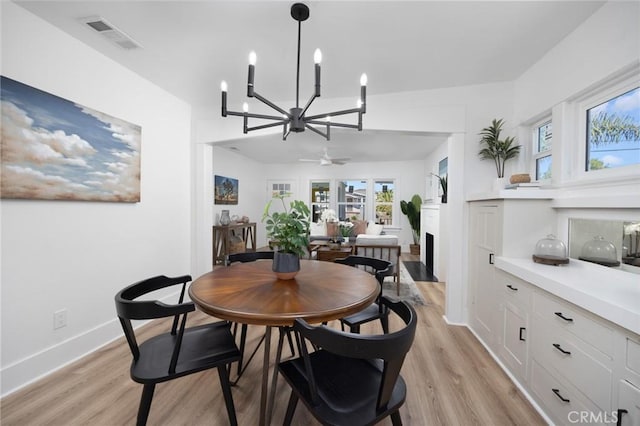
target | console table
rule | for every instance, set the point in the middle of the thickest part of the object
(222, 239)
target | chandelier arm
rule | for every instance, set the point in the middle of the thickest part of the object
(332, 124)
(271, 104)
(266, 126)
(306, 107)
(333, 114)
(252, 115)
(313, 129)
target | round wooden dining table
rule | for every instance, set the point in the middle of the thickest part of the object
(250, 293)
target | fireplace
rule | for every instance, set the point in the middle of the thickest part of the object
(428, 248)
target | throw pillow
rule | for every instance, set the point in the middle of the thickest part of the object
(359, 227)
(374, 229)
(317, 229)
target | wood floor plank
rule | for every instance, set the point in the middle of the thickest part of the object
(451, 380)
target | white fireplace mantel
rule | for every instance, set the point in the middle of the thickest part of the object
(431, 222)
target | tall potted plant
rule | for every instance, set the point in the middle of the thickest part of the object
(493, 148)
(412, 210)
(288, 231)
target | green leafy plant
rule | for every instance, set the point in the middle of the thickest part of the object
(495, 149)
(288, 230)
(412, 210)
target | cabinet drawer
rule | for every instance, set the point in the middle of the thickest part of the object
(516, 290)
(573, 320)
(561, 401)
(633, 356)
(576, 361)
(629, 401)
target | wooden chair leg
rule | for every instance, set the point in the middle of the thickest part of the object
(145, 404)
(228, 397)
(291, 347)
(395, 418)
(291, 408)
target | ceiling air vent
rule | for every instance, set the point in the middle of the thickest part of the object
(107, 30)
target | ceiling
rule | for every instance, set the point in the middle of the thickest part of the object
(188, 47)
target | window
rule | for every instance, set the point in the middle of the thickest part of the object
(352, 199)
(613, 132)
(542, 141)
(383, 202)
(320, 199)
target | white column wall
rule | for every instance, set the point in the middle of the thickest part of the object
(77, 255)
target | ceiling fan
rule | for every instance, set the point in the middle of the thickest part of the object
(325, 160)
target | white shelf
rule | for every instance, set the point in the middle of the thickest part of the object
(520, 193)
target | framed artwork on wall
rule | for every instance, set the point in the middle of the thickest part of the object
(225, 190)
(55, 149)
(443, 170)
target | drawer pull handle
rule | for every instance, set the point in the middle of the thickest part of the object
(621, 411)
(558, 347)
(563, 317)
(520, 335)
(490, 258)
(510, 287)
(557, 392)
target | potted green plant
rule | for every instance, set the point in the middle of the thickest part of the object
(412, 210)
(288, 231)
(443, 185)
(493, 148)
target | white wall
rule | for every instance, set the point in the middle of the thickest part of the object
(606, 42)
(77, 255)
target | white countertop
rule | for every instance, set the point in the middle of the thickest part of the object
(609, 293)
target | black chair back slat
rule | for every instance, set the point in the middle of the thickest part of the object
(249, 256)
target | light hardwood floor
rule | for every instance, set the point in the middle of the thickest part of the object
(451, 380)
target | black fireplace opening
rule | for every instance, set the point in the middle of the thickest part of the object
(428, 252)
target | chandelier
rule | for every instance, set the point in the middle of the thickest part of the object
(296, 120)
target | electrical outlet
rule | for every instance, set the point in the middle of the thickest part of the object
(59, 319)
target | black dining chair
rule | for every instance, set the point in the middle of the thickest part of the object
(380, 268)
(178, 353)
(353, 379)
(244, 257)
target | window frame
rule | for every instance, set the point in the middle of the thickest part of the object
(384, 203)
(597, 97)
(536, 154)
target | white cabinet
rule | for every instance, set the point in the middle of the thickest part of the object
(577, 350)
(513, 349)
(628, 412)
(498, 227)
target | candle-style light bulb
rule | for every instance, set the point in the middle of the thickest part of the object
(328, 119)
(317, 56)
(359, 103)
(252, 58)
(223, 86)
(363, 79)
(245, 107)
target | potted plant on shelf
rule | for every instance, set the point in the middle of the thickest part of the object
(443, 185)
(493, 148)
(412, 210)
(289, 233)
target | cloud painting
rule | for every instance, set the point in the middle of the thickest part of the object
(55, 149)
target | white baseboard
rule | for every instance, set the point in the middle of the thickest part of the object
(36, 366)
(40, 364)
(457, 324)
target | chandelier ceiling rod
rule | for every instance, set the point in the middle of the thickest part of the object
(295, 120)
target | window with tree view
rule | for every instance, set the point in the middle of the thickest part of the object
(543, 139)
(383, 203)
(613, 132)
